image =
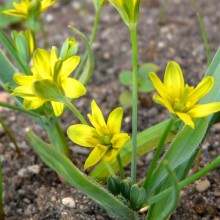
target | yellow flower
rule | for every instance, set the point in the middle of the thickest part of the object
(50, 81)
(128, 9)
(179, 98)
(25, 8)
(105, 138)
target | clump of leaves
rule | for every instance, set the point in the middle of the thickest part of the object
(144, 83)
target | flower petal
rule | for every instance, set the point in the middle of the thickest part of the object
(57, 108)
(97, 119)
(23, 80)
(186, 119)
(69, 65)
(199, 111)
(33, 104)
(73, 88)
(114, 120)
(173, 78)
(83, 135)
(110, 155)
(24, 92)
(164, 102)
(119, 140)
(159, 86)
(41, 66)
(94, 157)
(201, 90)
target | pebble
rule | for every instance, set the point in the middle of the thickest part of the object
(35, 169)
(69, 202)
(202, 186)
(23, 172)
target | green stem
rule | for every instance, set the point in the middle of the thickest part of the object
(133, 36)
(91, 41)
(157, 153)
(121, 169)
(57, 137)
(32, 114)
(11, 137)
(2, 215)
(75, 111)
(215, 163)
(205, 39)
(110, 169)
(44, 33)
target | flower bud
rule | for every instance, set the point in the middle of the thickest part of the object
(125, 188)
(137, 197)
(113, 184)
(69, 48)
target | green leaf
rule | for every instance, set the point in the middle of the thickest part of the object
(65, 168)
(146, 86)
(125, 78)
(146, 68)
(147, 141)
(125, 99)
(171, 200)
(12, 51)
(7, 71)
(90, 64)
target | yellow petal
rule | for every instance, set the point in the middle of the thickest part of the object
(15, 13)
(114, 120)
(34, 104)
(46, 3)
(69, 65)
(201, 90)
(164, 102)
(24, 92)
(199, 111)
(186, 119)
(94, 157)
(23, 80)
(119, 140)
(159, 86)
(110, 155)
(173, 78)
(57, 108)
(83, 135)
(53, 57)
(73, 88)
(41, 61)
(97, 119)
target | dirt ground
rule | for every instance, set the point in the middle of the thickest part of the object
(31, 189)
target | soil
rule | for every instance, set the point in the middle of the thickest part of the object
(31, 189)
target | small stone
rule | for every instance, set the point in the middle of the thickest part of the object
(23, 172)
(69, 202)
(35, 169)
(202, 186)
(217, 193)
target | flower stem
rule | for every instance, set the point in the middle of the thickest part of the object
(75, 111)
(158, 152)
(133, 36)
(110, 169)
(91, 41)
(121, 169)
